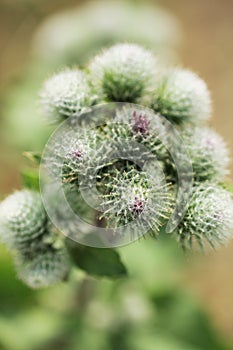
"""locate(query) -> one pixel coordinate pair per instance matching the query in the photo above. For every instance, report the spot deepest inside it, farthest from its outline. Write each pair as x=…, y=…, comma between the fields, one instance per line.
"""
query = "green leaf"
x=30, y=179
x=33, y=157
x=104, y=262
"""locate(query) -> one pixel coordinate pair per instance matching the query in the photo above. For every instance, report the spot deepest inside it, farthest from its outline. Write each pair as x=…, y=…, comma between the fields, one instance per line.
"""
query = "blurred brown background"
x=207, y=49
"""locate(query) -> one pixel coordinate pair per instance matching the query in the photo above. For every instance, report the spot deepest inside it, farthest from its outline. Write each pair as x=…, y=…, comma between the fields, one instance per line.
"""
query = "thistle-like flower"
x=208, y=219
x=181, y=96
x=133, y=195
x=66, y=94
x=22, y=218
x=208, y=153
x=141, y=126
x=83, y=155
x=123, y=73
x=45, y=269
x=41, y=257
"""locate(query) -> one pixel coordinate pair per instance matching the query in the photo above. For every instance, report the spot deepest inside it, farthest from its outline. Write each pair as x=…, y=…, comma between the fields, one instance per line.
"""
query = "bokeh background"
x=152, y=309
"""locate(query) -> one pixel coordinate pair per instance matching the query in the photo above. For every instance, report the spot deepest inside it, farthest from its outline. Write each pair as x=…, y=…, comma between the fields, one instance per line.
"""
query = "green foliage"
x=97, y=262
x=33, y=157
x=145, y=310
x=30, y=179
x=185, y=321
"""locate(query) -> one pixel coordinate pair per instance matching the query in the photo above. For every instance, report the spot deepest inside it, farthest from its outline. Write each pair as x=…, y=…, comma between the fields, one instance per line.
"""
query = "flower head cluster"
x=125, y=158
x=129, y=73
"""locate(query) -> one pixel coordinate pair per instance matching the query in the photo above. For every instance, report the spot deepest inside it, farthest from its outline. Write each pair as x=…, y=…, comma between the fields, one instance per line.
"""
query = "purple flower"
x=140, y=124
x=77, y=155
x=137, y=206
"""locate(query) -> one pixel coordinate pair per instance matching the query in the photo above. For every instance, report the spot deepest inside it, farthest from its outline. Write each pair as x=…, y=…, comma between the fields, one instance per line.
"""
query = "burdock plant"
x=112, y=157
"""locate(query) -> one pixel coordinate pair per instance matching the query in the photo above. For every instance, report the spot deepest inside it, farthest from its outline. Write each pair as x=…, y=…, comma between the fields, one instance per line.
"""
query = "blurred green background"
x=169, y=301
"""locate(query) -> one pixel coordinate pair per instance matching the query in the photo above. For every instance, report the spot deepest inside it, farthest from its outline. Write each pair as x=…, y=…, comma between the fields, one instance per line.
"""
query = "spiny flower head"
x=181, y=96
x=40, y=255
x=73, y=161
x=75, y=154
x=30, y=248
x=66, y=94
x=123, y=73
x=85, y=154
x=133, y=195
x=208, y=153
x=208, y=219
x=22, y=218
x=144, y=127
x=45, y=269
